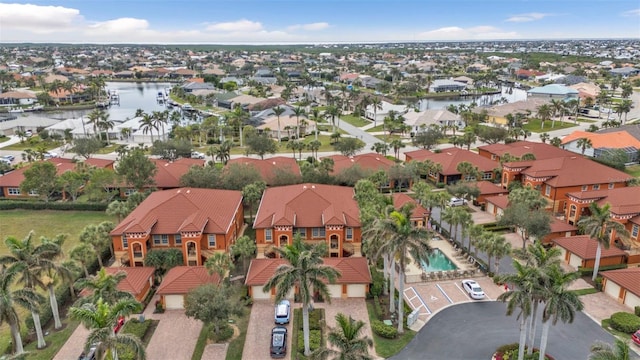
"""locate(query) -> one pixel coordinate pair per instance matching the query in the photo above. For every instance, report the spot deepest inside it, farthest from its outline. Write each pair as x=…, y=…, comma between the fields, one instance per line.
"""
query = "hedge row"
x=383, y=330
x=625, y=322
x=589, y=271
x=52, y=205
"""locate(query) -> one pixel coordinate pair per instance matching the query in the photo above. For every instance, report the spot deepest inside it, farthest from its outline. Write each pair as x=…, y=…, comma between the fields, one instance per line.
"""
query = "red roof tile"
x=182, y=279
x=353, y=270
x=585, y=247
x=558, y=226
x=519, y=148
x=627, y=278
x=400, y=199
x=500, y=201
x=15, y=178
x=307, y=205
x=449, y=158
x=268, y=167
x=137, y=278
x=489, y=188
x=371, y=162
x=612, y=140
x=170, y=172
x=176, y=210
x=572, y=171
x=623, y=201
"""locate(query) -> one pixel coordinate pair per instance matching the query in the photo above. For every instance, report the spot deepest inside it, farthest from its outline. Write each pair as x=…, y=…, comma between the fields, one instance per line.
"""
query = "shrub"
x=225, y=333
x=383, y=330
x=636, y=310
x=377, y=282
x=508, y=347
x=376, y=307
x=315, y=338
x=625, y=322
x=51, y=205
x=589, y=271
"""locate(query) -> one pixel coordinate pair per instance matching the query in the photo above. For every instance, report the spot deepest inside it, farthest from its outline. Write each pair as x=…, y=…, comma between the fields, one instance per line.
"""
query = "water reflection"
x=512, y=95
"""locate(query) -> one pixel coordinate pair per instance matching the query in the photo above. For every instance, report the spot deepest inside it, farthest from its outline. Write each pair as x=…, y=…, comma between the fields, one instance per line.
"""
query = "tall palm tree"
x=376, y=103
x=278, y=110
x=103, y=286
x=603, y=351
x=223, y=152
x=544, y=112
x=316, y=117
x=26, y=297
x=560, y=303
x=601, y=227
x=584, y=144
x=83, y=254
x=31, y=258
x=298, y=112
x=405, y=240
x=239, y=117
x=332, y=112
x=93, y=118
x=220, y=263
x=147, y=125
x=100, y=319
x=52, y=271
x=377, y=234
x=104, y=123
x=346, y=340
x=305, y=272
x=459, y=216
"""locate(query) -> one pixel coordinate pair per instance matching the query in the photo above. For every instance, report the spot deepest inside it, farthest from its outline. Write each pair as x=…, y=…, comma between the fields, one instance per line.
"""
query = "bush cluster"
x=636, y=310
x=225, y=333
x=376, y=307
x=52, y=205
x=136, y=328
x=589, y=271
x=625, y=322
x=383, y=330
x=315, y=338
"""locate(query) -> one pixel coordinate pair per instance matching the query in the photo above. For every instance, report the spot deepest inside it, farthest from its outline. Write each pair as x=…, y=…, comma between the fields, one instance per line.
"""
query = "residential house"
x=179, y=280
x=138, y=282
x=420, y=120
x=557, y=229
x=556, y=177
x=497, y=114
x=625, y=71
x=369, y=162
x=579, y=251
x=586, y=90
x=632, y=129
x=318, y=213
x=602, y=143
x=524, y=74
x=444, y=85
x=199, y=222
x=17, y=98
x=379, y=114
x=419, y=215
x=31, y=123
x=10, y=182
x=623, y=285
x=554, y=91
x=353, y=281
x=168, y=174
x=270, y=168
x=449, y=159
x=517, y=149
x=487, y=189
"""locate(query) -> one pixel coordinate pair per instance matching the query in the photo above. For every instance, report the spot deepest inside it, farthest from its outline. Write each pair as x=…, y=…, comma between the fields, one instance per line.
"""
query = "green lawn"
x=282, y=149
x=389, y=347
x=355, y=120
x=379, y=128
x=55, y=340
x=586, y=120
x=534, y=125
x=633, y=170
x=3, y=139
x=33, y=143
x=236, y=346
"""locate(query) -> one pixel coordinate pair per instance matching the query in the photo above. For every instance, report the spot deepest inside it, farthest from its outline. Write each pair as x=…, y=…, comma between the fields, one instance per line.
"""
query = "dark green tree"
x=86, y=147
x=40, y=178
x=348, y=146
x=136, y=169
x=261, y=145
x=212, y=304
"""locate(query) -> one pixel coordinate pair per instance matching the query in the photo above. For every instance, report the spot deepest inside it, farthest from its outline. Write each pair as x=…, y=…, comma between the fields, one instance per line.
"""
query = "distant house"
x=449, y=159
x=601, y=143
x=379, y=114
x=371, y=162
x=179, y=280
x=419, y=215
x=192, y=86
x=168, y=174
x=199, y=222
x=554, y=91
x=623, y=285
x=138, y=282
x=625, y=71
x=17, y=98
x=423, y=119
x=580, y=252
x=519, y=148
x=353, y=281
x=270, y=168
x=444, y=85
x=497, y=114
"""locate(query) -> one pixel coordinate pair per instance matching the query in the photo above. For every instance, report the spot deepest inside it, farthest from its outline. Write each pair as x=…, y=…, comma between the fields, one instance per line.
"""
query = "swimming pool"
x=438, y=261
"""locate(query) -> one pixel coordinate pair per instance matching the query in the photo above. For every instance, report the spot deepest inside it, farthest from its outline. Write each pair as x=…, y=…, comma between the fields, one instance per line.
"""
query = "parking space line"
x=459, y=288
x=422, y=304
x=444, y=293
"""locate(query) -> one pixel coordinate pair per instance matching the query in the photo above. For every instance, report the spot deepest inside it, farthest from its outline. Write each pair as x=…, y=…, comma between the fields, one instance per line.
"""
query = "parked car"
x=455, y=201
x=5, y=161
x=10, y=158
x=278, y=342
x=283, y=312
x=119, y=324
x=636, y=337
x=50, y=154
x=473, y=289
x=91, y=355
x=197, y=155
x=28, y=133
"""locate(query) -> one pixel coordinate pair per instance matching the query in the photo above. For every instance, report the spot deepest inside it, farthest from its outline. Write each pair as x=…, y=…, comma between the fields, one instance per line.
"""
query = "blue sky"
x=313, y=21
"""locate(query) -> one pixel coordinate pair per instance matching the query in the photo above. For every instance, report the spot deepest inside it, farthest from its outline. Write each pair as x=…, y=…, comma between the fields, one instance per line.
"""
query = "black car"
x=279, y=342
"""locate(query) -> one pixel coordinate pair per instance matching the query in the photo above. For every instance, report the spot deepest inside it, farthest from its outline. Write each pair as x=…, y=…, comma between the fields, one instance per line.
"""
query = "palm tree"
x=223, y=152
x=83, y=254
x=278, y=110
x=601, y=228
x=297, y=112
x=147, y=125
x=238, y=117
x=315, y=116
x=405, y=239
x=219, y=263
x=104, y=123
x=93, y=118
x=26, y=297
x=305, y=272
x=332, y=112
x=544, y=112
x=52, y=271
x=396, y=144
x=584, y=144
x=100, y=319
x=376, y=103
x=347, y=340
x=603, y=351
x=103, y=286
x=561, y=304
x=458, y=216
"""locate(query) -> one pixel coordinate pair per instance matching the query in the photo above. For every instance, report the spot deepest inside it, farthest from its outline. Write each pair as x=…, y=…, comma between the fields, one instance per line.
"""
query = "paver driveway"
x=256, y=345
x=175, y=337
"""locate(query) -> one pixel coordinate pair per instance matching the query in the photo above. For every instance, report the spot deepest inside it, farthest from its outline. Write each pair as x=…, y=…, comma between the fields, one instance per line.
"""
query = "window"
x=14, y=191
x=178, y=239
x=156, y=239
x=611, y=185
x=584, y=188
x=487, y=176
x=212, y=240
x=318, y=232
x=301, y=231
x=572, y=211
x=125, y=242
x=349, y=234
x=165, y=239
x=33, y=193
x=128, y=192
x=547, y=190
x=634, y=231
x=493, y=156
x=268, y=235
x=596, y=187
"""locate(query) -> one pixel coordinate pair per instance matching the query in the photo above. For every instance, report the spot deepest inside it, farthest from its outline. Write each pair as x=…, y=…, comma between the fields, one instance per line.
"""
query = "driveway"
x=356, y=308
x=257, y=343
x=74, y=345
x=474, y=331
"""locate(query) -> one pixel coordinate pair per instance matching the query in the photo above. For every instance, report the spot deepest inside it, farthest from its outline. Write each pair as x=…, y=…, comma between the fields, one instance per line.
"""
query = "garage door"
x=356, y=291
x=335, y=291
x=575, y=261
x=612, y=289
x=257, y=293
x=490, y=208
x=632, y=300
x=173, y=302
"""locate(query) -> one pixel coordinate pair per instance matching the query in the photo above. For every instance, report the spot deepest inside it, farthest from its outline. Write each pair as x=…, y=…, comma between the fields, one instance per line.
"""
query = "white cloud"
x=38, y=19
x=472, y=33
x=634, y=12
x=527, y=17
x=309, y=27
x=233, y=26
x=118, y=26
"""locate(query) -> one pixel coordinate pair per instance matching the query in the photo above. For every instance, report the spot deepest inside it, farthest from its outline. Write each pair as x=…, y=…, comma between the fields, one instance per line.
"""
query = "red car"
x=119, y=324
x=636, y=337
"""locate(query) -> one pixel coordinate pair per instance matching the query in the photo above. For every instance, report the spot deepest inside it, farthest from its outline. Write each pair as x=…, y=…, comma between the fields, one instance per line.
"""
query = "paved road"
x=474, y=330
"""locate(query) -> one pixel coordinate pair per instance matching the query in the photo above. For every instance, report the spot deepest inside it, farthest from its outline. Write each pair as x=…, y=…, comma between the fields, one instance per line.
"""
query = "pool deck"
x=414, y=272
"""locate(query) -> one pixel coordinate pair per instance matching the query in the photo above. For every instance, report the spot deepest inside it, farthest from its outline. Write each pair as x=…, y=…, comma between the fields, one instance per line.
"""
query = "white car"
x=473, y=289
x=50, y=154
x=455, y=201
x=197, y=155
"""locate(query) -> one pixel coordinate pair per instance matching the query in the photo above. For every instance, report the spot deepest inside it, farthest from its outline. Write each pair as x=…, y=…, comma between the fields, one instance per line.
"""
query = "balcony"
x=137, y=255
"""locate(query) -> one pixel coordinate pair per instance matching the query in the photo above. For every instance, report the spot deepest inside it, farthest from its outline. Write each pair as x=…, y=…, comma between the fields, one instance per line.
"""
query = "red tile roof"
x=612, y=140
x=627, y=278
x=623, y=201
x=15, y=178
x=400, y=199
x=170, y=172
x=268, y=167
x=370, y=161
x=449, y=158
x=585, y=247
x=353, y=270
x=182, y=279
x=172, y=211
x=572, y=171
x=558, y=226
x=307, y=205
x=500, y=201
x=137, y=278
x=489, y=188
x=519, y=148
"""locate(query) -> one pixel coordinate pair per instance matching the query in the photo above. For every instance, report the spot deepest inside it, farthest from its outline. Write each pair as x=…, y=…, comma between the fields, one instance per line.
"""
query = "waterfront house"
x=554, y=91
x=601, y=143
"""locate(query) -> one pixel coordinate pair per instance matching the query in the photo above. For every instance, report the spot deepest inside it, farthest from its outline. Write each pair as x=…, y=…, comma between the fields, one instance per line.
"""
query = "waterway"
x=510, y=94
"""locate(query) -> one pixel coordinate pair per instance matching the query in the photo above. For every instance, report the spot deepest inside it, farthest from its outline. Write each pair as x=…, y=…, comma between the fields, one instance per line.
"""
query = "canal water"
x=510, y=94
